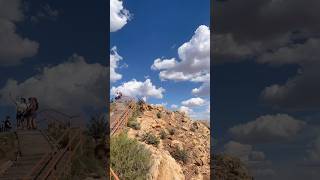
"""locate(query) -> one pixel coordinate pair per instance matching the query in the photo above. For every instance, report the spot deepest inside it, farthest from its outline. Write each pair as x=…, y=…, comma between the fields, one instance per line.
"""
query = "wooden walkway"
x=43, y=157
x=33, y=146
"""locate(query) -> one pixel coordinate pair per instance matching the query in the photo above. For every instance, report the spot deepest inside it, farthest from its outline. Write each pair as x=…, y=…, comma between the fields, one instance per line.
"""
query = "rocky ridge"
x=183, y=150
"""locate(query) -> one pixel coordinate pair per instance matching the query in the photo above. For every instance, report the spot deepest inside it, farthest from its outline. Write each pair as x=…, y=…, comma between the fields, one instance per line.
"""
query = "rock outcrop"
x=177, y=133
x=228, y=167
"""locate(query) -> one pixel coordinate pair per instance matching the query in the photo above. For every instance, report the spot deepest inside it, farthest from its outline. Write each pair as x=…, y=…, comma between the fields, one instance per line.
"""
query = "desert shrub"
x=134, y=124
x=180, y=154
x=97, y=127
x=172, y=131
x=163, y=134
x=149, y=138
x=159, y=115
x=193, y=129
x=128, y=158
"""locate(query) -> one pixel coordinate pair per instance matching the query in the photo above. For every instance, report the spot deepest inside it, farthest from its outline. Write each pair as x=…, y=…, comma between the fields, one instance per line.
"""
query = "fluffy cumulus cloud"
x=227, y=49
x=160, y=64
x=13, y=47
x=119, y=16
x=70, y=86
x=243, y=151
x=255, y=160
x=194, y=102
x=294, y=41
x=194, y=63
x=268, y=128
x=203, y=90
x=255, y=20
x=114, y=64
x=302, y=91
x=186, y=110
x=252, y=31
x=136, y=88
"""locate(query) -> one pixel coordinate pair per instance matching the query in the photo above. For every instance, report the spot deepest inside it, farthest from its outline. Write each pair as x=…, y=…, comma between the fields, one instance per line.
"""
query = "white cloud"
x=243, y=151
x=159, y=64
x=174, y=106
x=268, y=128
x=13, y=47
x=114, y=60
x=255, y=160
x=194, y=102
x=194, y=64
x=293, y=54
x=186, y=110
x=203, y=90
x=136, y=88
x=161, y=105
x=227, y=49
x=119, y=16
x=70, y=86
x=301, y=91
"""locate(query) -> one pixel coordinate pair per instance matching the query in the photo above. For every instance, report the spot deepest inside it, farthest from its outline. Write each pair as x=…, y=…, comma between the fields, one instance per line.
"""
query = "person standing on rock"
x=21, y=106
x=31, y=112
x=118, y=95
x=7, y=124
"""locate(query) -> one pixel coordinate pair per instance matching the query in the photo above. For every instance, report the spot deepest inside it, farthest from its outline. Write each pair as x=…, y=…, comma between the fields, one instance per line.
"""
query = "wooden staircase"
x=33, y=146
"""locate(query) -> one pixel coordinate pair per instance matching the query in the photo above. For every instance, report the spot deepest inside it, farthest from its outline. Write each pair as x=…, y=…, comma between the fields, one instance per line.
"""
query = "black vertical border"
x=107, y=96
x=211, y=90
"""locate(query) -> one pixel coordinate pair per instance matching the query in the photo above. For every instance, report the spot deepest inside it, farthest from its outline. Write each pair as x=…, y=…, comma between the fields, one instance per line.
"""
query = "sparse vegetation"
x=87, y=163
x=193, y=129
x=150, y=138
x=163, y=134
x=97, y=128
x=112, y=106
x=134, y=124
x=159, y=115
x=8, y=147
x=180, y=154
x=128, y=158
x=172, y=131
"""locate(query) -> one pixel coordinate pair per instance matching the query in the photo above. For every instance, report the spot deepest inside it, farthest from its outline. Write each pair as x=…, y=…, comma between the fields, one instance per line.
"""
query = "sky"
x=56, y=51
x=266, y=86
x=160, y=51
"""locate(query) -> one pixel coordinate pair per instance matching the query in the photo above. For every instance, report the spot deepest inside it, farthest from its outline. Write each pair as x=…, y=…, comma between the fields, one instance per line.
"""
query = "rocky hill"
x=229, y=168
x=179, y=146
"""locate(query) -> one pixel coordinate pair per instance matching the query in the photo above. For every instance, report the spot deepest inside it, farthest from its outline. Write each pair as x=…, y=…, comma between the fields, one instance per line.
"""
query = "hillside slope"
x=180, y=147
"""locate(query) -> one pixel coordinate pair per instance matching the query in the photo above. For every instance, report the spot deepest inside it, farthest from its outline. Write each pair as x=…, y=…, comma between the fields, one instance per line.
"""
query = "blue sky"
x=157, y=29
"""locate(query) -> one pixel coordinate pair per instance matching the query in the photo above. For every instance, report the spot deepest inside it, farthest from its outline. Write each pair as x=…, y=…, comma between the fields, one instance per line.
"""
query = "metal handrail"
x=119, y=122
x=38, y=168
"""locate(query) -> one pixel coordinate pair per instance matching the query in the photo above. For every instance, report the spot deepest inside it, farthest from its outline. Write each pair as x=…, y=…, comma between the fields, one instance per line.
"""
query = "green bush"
x=180, y=154
x=172, y=131
x=134, y=124
x=163, y=134
x=150, y=139
x=86, y=163
x=159, y=115
x=128, y=158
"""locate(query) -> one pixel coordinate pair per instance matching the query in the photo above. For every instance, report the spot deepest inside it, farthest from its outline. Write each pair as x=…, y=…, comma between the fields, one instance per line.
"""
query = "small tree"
x=97, y=128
